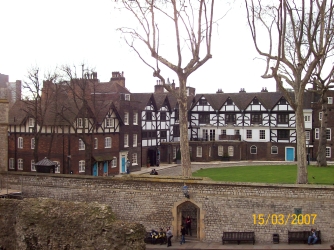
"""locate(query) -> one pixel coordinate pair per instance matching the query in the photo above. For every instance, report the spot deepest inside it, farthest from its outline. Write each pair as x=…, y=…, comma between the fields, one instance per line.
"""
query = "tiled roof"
x=45, y=162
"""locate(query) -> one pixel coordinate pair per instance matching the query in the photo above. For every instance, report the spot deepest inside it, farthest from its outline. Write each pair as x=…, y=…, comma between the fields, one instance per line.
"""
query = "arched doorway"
x=184, y=208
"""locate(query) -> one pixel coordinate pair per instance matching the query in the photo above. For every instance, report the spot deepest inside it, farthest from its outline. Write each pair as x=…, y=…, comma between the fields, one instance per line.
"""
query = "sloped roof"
x=45, y=162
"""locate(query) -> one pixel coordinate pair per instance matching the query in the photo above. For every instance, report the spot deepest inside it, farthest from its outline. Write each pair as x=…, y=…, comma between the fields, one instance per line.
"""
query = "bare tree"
x=189, y=23
x=37, y=108
x=298, y=38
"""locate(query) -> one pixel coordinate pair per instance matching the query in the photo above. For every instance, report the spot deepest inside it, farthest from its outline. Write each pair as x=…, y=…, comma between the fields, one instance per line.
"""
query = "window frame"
x=107, y=142
x=134, y=140
x=273, y=151
x=135, y=118
x=329, y=100
x=31, y=122
x=82, y=166
x=32, y=143
x=283, y=118
x=57, y=167
x=126, y=140
x=126, y=118
x=32, y=166
x=20, y=142
x=316, y=133
x=253, y=150
x=114, y=162
x=96, y=143
x=163, y=116
x=230, y=118
x=11, y=163
x=280, y=133
x=256, y=118
x=230, y=151
x=134, y=159
x=220, y=150
x=249, y=134
x=82, y=145
x=328, y=152
x=328, y=134
x=20, y=164
x=199, y=151
x=320, y=116
x=109, y=122
x=262, y=134
x=204, y=118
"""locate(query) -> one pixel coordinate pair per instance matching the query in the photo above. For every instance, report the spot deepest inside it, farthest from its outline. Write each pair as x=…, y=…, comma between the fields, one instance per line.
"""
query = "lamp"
x=185, y=191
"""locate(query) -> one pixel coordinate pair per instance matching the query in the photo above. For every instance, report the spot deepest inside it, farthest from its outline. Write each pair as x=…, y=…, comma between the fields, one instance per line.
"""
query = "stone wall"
x=157, y=201
x=50, y=224
x=3, y=135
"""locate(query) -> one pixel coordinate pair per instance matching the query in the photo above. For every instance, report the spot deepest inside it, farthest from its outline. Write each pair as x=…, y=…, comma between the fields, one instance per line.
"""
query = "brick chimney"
x=159, y=88
x=118, y=77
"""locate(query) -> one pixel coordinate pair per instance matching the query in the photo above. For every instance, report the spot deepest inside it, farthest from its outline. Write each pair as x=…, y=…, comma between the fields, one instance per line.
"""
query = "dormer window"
x=127, y=97
x=255, y=101
x=31, y=122
x=282, y=101
x=229, y=101
x=203, y=102
x=109, y=122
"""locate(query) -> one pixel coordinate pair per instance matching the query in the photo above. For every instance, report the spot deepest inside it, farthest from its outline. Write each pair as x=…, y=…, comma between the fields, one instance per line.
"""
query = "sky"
x=51, y=33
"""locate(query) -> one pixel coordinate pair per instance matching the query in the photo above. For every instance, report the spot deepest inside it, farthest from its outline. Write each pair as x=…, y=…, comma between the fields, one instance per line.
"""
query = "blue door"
x=289, y=154
x=95, y=169
x=123, y=164
x=105, y=168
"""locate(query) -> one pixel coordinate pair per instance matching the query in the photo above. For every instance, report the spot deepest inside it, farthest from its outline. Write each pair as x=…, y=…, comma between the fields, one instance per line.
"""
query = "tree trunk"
x=321, y=158
x=301, y=144
x=184, y=143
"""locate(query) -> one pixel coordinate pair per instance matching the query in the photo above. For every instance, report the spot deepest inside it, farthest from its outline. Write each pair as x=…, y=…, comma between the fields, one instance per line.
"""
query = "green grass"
x=286, y=174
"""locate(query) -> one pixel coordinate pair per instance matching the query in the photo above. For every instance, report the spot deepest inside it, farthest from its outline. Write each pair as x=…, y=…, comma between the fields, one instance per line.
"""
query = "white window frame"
x=81, y=145
x=320, y=116
x=262, y=134
x=82, y=166
x=230, y=151
x=272, y=150
x=114, y=162
x=220, y=150
x=134, y=159
x=316, y=133
x=107, y=142
x=109, y=122
x=307, y=135
x=126, y=140
x=330, y=100
x=79, y=123
x=31, y=122
x=135, y=140
x=253, y=150
x=11, y=163
x=96, y=143
x=32, y=142
x=20, y=164
x=127, y=97
x=249, y=134
x=328, y=152
x=57, y=167
x=32, y=164
x=174, y=152
x=135, y=118
x=328, y=134
x=20, y=142
x=199, y=151
x=126, y=118
x=307, y=118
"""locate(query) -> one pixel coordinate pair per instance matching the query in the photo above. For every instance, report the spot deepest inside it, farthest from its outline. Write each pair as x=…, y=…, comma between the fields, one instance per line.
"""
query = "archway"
x=184, y=208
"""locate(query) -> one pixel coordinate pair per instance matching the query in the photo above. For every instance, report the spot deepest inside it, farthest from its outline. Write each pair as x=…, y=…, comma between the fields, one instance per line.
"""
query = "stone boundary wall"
x=151, y=200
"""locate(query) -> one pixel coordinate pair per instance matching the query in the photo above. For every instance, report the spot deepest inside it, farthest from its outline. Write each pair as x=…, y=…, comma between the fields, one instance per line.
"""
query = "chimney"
x=242, y=90
x=159, y=88
x=117, y=77
x=264, y=89
x=173, y=84
x=220, y=91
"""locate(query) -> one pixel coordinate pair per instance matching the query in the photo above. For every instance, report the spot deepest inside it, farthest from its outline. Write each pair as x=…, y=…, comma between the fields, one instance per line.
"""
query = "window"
x=223, y=132
x=249, y=134
x=114, y=162
x=256, y=101
x=316, y=133
x=31, y=122
x=109, y=122
x=135, y=118
x=134, y=158
x=127, y=97
x=20, y=142
x=176, y=130
x=32, y=143
x=320, y=115
x=107, y=142
x=162, y=116
x=307, y=135
x=328, y=134
x=204, y=118
x=237, y=132
x=81, y=166
x=126, y=140
x=283, y=134
x=330, y=100
x=174, y=152
x=256, y=118
x=205, y=134
x=307, y=118
x=209, y=151
x=199, y=151
x=134, y=138
x=20, y=164
x=96, y=143
x=282, y=101
x=283, y=118
x=253, y=149
x=81, y=145
x=148, y=116
x=262, y=134
x=220, y=150
x=230, y=150
x=163, y=134
x=212, y=134
x=229, y=118
x=328, y=152
x=11, y=163
x=33, y=168
x=79, y=123
x=126, y=118
x=57, y=168
x=229, y=101
x=202, y=102
x=274, y=150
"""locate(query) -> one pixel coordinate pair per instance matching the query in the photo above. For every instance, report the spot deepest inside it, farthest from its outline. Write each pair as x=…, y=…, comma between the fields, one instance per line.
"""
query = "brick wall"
x=3, y=135
x=157, y=201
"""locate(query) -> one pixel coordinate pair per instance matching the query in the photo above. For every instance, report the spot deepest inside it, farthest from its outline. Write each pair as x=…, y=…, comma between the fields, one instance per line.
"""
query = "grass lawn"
x=268, y=174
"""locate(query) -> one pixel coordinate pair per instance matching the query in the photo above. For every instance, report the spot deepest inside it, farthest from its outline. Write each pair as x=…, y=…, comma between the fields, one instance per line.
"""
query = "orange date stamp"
x=281, y=219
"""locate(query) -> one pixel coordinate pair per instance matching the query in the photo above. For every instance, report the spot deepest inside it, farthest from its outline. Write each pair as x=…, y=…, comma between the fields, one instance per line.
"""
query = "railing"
x=229, y=137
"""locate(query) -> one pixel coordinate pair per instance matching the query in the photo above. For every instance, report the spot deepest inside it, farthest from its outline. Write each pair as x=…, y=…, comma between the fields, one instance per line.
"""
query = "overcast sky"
x=51, y=33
